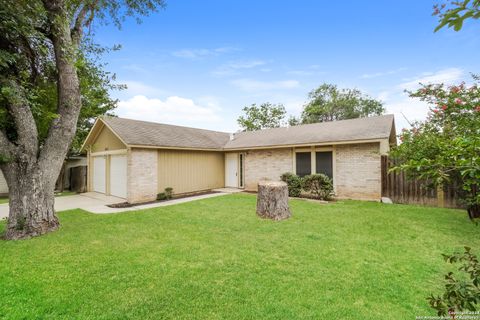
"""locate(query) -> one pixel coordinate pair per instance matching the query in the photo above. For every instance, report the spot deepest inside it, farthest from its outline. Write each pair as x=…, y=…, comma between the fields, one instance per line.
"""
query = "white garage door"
x=99, y=174
x=118, y=176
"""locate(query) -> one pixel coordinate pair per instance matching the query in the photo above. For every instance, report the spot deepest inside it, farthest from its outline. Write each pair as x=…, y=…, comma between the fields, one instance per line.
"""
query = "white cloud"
x=212, y=102
x=381, y=74
x=300, y=72
x=383, y=96
x=407, y=110
x=313, y=69
x=174, y=110
x=135, y=68
x=294, y=107
x=246, y=64
x=139, y=88
x=446, y=76
x=256, y=85
x=202, y=53
x=234, y=67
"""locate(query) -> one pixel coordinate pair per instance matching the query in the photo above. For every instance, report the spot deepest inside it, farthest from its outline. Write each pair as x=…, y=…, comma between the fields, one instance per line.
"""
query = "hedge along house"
x=136, y=160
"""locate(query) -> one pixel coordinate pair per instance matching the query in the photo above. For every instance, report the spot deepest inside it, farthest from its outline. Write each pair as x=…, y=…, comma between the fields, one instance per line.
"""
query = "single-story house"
x=136, y=160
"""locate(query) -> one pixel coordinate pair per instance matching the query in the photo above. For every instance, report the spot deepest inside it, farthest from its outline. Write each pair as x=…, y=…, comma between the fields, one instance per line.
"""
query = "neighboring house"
x=70, y=162
x=136, y=160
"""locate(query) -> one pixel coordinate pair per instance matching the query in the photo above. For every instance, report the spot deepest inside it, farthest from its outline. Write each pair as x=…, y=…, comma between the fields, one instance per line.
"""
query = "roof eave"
x=279, y=146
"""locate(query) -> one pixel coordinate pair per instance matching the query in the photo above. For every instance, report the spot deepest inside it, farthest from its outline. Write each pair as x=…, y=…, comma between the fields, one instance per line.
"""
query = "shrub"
x=462, y=292
x=161, y=196
x=294, y=183
x=168, y=192
x=319, y=185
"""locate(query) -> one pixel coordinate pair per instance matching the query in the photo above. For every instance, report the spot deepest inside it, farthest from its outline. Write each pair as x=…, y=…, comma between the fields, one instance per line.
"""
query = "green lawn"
x=60, y=194
x=214, y=259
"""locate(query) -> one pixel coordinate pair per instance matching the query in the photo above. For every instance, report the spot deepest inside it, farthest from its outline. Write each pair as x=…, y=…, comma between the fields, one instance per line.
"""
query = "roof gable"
x=150, y=134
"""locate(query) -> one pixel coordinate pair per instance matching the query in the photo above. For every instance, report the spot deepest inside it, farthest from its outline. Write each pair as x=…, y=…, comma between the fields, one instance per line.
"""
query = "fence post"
x=440, y=197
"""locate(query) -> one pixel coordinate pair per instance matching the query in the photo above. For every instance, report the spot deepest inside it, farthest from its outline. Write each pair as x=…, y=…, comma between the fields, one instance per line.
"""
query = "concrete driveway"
x=90, y=201
x=97, y=203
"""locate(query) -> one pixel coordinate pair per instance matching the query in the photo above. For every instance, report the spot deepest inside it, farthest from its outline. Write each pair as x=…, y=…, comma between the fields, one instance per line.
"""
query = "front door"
x=231, y=170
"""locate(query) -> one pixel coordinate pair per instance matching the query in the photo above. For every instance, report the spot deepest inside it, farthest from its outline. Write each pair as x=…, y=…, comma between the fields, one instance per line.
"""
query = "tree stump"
x=272, y=200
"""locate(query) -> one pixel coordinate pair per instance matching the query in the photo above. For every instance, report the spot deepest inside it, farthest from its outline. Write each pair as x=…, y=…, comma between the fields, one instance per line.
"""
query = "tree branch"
x=80, y=22
x=77, y=29
x=25, y=125
x=63, y=128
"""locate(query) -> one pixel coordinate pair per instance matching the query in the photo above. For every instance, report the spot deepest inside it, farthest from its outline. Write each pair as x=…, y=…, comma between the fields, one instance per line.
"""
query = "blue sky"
x=197, y=63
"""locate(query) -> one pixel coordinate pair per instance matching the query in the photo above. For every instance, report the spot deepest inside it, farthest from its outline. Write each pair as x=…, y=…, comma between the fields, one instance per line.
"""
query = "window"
x=324, y=163
x=303, y=163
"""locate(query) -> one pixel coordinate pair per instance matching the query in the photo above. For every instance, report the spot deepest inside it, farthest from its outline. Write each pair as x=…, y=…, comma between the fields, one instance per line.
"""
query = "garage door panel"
x=99, y=174
x=118, y=176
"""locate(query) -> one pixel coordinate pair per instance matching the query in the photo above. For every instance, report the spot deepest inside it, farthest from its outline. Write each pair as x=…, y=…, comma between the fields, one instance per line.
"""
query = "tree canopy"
x=51, y=82
x=329, y=103
x=266, y=115
x=446, y=146
x=453, y=13
x=28, y=65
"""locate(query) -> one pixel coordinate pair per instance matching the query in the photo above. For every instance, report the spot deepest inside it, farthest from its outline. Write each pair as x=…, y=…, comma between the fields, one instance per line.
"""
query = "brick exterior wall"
x=266, y=165
x=142, y=175
x=358, y=171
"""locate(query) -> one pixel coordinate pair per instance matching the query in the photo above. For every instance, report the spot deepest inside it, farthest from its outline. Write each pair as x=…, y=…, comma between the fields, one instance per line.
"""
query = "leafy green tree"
x=95, y=87
x=294, y=121
x=328, y=103
x=266, y=115
x=454, y=13
x=446, y=147
x=48, y=77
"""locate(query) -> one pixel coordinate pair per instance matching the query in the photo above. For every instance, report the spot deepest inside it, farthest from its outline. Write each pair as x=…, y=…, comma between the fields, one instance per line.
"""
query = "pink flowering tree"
x=446, y=146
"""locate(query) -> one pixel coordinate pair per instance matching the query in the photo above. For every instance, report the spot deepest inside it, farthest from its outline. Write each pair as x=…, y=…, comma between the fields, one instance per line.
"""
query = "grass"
x=214, y=259
x=60, y=194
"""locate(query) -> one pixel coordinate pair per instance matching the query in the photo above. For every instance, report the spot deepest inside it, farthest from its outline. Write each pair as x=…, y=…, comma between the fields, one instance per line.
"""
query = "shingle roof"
x=134, y=132
x=378, y=127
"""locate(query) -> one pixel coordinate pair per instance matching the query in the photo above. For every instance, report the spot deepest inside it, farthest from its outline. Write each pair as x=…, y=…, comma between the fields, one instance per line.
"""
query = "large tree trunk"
x=31, y=198
x=33, y=170
x=272, y=200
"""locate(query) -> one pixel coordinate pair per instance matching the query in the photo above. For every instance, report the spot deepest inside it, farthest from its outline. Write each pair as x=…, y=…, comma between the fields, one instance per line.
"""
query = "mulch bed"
x=301, y=197
x=187, y=195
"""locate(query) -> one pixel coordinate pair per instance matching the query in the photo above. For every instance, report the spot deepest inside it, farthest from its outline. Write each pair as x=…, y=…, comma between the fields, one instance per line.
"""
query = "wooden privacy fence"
x=399, y=188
